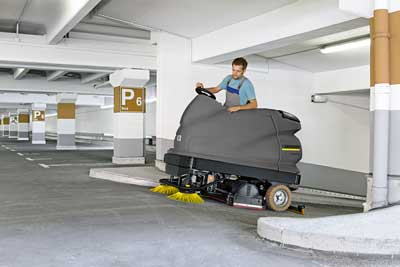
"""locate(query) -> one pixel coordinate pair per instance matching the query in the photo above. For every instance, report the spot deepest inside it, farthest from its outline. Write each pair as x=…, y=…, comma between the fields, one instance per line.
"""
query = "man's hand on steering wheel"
x=201, y=85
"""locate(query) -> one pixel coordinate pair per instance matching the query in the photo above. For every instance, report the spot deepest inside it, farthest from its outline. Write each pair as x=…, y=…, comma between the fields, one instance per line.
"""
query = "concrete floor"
x=58, y=216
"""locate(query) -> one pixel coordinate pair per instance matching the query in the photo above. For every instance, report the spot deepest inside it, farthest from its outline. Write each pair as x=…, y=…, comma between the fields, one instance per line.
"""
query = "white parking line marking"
x=20, y=154
x=12, y=150
x=80, y=164
x=43, y=165
x=31, y=159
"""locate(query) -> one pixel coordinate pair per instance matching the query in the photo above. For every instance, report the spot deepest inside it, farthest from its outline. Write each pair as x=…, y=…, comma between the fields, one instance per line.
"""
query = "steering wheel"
x=202, y=91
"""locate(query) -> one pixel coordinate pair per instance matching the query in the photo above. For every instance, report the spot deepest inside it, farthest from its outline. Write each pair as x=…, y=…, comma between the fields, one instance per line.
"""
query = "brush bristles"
x=189, y=198
x=165, y=189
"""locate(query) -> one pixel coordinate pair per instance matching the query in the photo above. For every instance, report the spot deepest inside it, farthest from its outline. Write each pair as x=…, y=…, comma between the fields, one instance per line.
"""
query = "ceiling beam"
x=103, y=56
x=53, y=67
x=73, y=13
x=41, y=85
x=103, y=85
x=19, y=73
x=93, y=77
x=55, y=75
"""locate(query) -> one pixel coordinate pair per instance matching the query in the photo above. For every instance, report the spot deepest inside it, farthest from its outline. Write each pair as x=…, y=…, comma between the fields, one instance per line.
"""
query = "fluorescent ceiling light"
x=345, y=46
x=51, y=115
x=107, y=106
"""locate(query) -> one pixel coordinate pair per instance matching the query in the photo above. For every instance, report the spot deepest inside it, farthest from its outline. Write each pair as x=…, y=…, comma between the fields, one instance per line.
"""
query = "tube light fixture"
x=345, y=46
x=106, y=106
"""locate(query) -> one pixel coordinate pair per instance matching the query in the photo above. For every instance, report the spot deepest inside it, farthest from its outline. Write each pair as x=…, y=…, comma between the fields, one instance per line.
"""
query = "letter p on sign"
x=127, y=94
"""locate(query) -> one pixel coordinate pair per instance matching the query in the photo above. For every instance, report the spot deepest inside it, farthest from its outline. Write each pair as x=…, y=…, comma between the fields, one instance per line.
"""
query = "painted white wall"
x=51, y=124
x=342, y=80
x=94, y=120
x=150, y=119
x=100, y=121
x=332, y=135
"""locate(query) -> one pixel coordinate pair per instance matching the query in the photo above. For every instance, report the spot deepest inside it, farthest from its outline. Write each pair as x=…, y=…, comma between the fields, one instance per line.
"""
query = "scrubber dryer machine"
x=246, y=158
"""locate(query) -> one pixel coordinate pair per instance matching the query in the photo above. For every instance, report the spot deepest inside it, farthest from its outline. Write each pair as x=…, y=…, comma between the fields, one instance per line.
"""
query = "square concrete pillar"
x=38, y=123
x=6, y=125
x=23, y=124
x=13, y=133
x=66, y=121
x=129, y=108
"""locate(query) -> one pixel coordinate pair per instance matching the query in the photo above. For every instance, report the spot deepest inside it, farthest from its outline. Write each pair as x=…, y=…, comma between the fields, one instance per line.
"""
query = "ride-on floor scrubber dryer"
x=246, y=158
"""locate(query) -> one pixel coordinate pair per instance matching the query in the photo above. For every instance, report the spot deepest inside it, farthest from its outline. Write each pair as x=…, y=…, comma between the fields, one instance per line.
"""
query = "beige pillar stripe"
x=23, y=118
x=394, y=21
x=66, y=110
x=117, y=99
x=372, y=52
x=382, y=46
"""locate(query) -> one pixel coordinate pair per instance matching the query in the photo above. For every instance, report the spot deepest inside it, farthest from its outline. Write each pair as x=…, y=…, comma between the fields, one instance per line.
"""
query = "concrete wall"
x=95, y=120
x=342, y=80
x=348, y=133
x=51, y=124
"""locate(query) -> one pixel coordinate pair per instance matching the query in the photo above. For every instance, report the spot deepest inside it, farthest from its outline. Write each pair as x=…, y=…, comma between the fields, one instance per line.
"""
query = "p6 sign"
x=37, y=115
x=129, y=99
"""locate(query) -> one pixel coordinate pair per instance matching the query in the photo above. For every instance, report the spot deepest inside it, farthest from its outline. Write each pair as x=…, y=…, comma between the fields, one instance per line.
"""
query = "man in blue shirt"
x=240, y=94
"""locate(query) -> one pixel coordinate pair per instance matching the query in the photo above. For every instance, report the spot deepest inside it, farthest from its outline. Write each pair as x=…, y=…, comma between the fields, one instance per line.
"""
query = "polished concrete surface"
x=58, y=216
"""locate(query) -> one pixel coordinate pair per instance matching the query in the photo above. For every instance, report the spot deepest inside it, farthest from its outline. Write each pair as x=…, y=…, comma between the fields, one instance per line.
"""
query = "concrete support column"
x=381, y=101
x=129, y=108
x=38, y=123
x=23, y=124
x=394, y=139
x=66, y=121
x=13, y=133
x=6, y=125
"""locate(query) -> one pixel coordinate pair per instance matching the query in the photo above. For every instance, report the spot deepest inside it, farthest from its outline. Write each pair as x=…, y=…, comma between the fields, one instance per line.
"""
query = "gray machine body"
x=259, y=138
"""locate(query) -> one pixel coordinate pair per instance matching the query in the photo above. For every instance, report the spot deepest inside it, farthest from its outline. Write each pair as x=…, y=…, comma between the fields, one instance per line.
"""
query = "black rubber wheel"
x=278, y=197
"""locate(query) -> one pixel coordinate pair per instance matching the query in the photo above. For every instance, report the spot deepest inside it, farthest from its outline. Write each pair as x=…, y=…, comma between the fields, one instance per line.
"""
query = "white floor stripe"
x=37, y=159
x=13, y=150
x=80, y=164
x=43, y=165
x=20, y=154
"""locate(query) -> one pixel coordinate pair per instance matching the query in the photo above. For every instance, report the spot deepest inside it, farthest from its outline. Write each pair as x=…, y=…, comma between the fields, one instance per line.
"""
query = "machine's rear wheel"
x=278, y=197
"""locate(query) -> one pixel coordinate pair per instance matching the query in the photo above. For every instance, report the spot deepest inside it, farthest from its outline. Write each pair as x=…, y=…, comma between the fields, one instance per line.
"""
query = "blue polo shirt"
x=246, y=91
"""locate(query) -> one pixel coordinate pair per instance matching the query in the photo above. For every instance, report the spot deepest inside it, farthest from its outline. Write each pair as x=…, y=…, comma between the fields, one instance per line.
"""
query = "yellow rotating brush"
x=165, y=189
x=187, y=197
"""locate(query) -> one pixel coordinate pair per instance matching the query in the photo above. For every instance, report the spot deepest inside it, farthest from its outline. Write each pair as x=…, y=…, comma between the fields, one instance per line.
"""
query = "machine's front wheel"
x=278, y=197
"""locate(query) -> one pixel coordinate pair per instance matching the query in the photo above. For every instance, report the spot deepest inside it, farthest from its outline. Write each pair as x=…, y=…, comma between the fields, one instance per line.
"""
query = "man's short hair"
x=240, y=62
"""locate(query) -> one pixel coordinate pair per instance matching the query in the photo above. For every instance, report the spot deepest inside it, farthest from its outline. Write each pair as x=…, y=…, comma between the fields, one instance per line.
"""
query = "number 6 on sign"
x=139, y=101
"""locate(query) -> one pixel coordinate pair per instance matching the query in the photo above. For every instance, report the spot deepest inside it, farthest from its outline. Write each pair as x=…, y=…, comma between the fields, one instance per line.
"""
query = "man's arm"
x=251, y=105
x=213, y=90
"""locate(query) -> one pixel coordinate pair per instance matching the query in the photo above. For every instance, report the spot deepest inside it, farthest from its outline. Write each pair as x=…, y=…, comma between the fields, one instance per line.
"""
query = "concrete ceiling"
x=307, y=55
x=189, y=18
x=34, y=18
x=315, y=61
